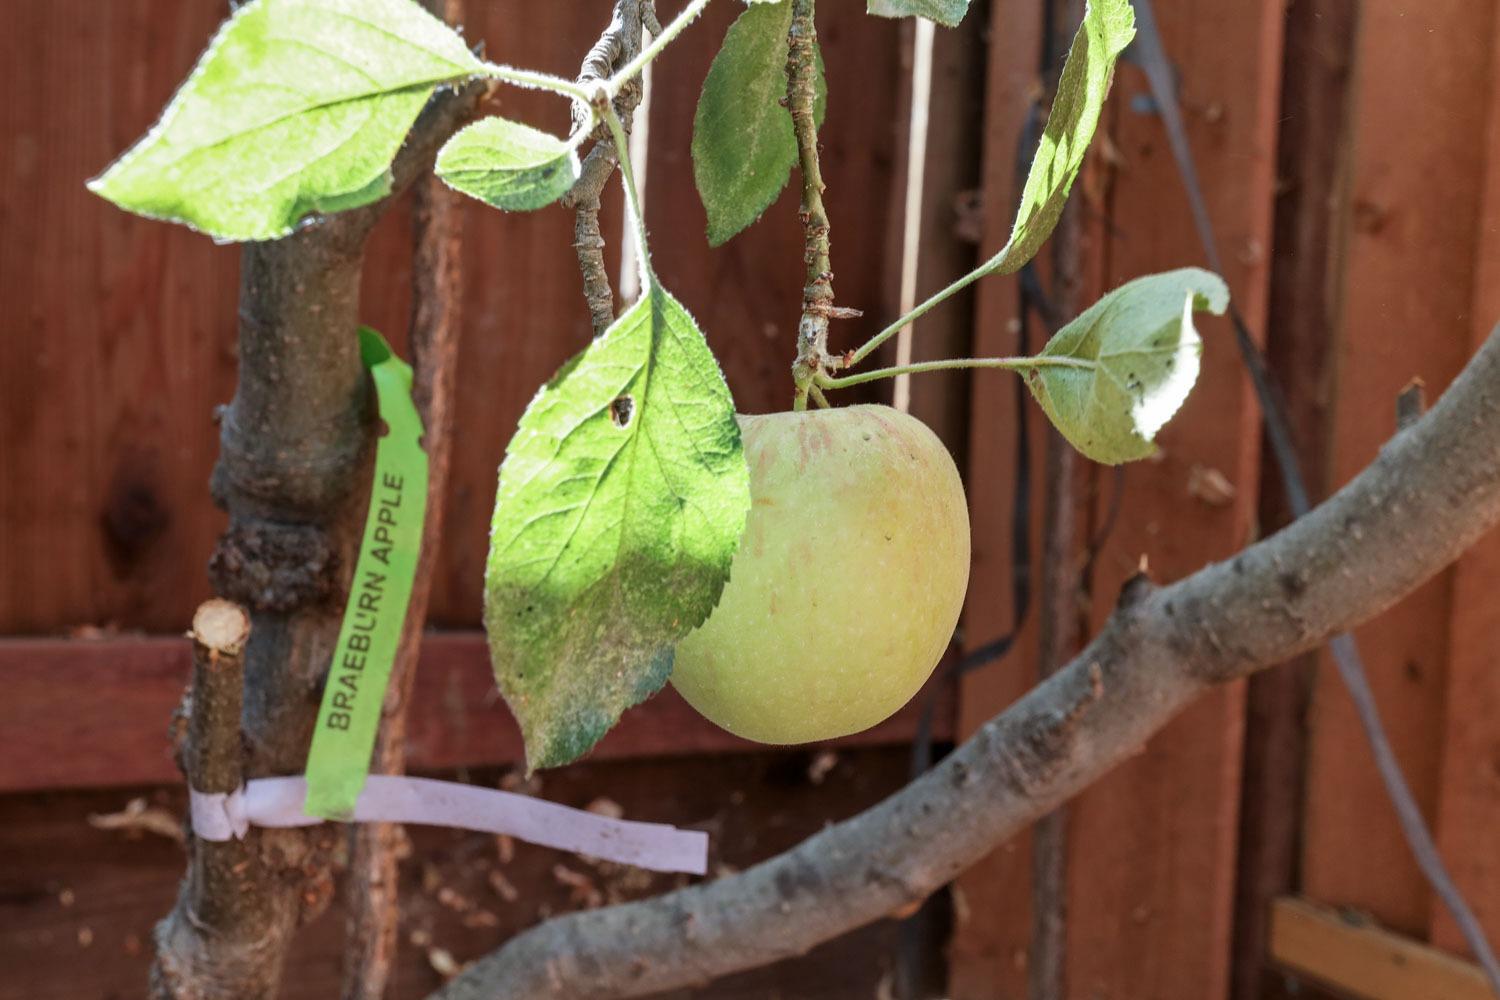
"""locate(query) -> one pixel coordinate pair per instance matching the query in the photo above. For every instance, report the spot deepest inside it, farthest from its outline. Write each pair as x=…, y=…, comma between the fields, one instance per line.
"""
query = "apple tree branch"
x=1431, y=493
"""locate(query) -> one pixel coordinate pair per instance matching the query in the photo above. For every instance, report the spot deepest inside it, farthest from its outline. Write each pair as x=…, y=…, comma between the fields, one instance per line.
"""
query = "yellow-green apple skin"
x=847, y=583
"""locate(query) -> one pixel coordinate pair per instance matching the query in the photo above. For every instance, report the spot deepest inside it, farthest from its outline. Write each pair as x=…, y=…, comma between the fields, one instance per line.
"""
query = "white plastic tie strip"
x=277, y=802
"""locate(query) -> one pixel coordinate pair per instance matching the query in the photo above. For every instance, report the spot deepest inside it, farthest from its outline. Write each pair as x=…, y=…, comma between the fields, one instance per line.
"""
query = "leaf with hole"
x=743, y=144
x=945, y=12
x=297, y=107
x=1108, y=26
x=622, y=499
x=508, y=165
x=1114, y=376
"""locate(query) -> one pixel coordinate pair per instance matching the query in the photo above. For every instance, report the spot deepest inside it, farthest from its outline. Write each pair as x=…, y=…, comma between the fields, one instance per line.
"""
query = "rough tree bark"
x=1432, y=492
x=617, y=45
x=292, y=443
x=817, y=289
x=214, y=890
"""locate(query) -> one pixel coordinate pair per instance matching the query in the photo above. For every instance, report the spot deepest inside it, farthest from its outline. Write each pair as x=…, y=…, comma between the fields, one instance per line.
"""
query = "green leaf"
x=297, y=106
x=1123, y=368
x=945, y=12
x=1108, y=26
x=743, y=144
x=508, y=165
x=622, y=499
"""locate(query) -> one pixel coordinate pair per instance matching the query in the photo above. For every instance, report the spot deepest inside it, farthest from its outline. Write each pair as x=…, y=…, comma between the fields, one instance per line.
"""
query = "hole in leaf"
x=621, y=410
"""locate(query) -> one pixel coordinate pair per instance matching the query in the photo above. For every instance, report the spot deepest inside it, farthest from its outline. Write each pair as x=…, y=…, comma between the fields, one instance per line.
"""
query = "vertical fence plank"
x=120, y=331
x=1151, y=853
x=1469, y=807
x=992, y=899
x=1303, y=312
x=1407, y=290
x=1151, y=849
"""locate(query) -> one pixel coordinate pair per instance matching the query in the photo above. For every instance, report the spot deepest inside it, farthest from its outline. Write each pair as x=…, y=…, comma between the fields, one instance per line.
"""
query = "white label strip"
x=277, y=802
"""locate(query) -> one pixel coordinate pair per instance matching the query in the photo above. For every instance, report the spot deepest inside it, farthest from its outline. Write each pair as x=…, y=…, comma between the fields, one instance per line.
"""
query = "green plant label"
x=379, y=592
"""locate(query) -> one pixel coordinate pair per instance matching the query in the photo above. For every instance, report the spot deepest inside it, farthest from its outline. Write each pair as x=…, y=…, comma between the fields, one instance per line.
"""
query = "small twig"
x=209, y=937
x=620, y=43
x=138, y=817
x=817, y=291
x=1411, y=402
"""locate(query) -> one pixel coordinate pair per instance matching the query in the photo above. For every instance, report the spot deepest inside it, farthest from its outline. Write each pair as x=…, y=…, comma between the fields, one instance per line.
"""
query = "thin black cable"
x=1150, y=55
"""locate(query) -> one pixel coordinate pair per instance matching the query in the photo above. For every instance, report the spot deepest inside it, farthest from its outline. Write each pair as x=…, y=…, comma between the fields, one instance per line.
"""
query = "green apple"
x=847, y=583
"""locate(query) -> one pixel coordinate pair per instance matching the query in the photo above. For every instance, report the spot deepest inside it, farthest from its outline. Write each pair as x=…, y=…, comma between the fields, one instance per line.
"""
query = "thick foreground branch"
x=291, y=445
x=1432, y=492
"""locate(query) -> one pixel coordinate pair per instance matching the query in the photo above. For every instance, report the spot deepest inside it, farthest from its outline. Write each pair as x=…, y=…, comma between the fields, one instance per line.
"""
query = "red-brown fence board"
x=993, y=919
x=78, y=903
x=119, y=332
x=1407, y=288
x=122, y=350
x=1469, y=802
x=94, y=713
x=122, y=342
x=1151, y=863
x=1315, y=99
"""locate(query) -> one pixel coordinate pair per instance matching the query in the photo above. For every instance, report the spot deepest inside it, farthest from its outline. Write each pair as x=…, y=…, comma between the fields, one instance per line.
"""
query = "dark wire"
x=1150, y=54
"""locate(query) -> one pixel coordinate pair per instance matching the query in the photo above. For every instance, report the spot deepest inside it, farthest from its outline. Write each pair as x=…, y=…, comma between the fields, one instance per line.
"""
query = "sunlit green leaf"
x=297, y=106
x=944, y=12
x=1108, y=27
x=622, y=499
x=1114, y=376
x=509, y=165
x=743, y=144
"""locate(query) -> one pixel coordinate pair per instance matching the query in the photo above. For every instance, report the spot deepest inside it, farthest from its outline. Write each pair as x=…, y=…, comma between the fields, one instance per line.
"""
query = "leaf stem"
x=605, y=109
x=532, y=80
x=1009, y=364
x=917, y=312
x=650, y=52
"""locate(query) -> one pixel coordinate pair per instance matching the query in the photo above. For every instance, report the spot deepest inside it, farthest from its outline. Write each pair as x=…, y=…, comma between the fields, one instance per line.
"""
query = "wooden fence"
x=1350, y=154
